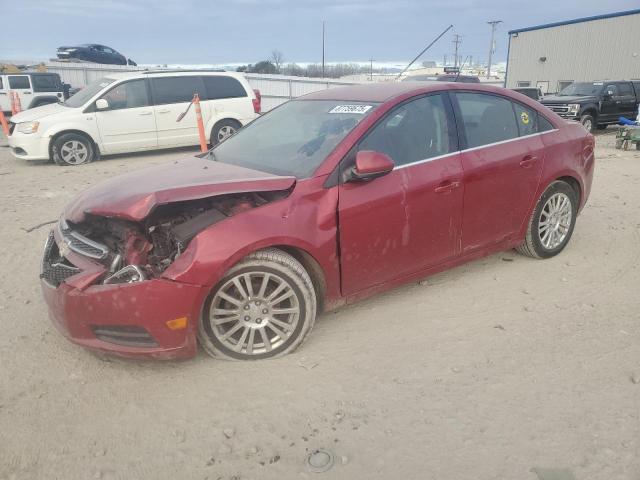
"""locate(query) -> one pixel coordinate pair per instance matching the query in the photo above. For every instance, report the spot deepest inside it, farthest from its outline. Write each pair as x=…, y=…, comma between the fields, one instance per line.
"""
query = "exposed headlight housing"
x=28, y=127
x=574, y=108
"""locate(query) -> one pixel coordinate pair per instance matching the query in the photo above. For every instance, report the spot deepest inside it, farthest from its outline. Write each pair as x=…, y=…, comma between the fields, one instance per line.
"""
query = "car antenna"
x=461, y=67
x=422, y=52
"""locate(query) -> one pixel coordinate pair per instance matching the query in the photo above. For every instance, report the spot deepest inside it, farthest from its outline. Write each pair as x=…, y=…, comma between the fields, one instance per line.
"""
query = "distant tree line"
x=276, y=65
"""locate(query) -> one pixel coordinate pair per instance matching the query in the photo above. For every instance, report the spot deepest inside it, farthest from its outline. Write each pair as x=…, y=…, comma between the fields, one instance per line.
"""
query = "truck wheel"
x=552, y=222
x=223, y=130
x=264, y=307
x=588, y=122
x=72, y=149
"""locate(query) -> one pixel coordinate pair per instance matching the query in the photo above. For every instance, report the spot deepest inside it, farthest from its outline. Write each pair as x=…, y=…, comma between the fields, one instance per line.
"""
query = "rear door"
x=410, y=218
x=226, y=97
x=626, y=101
x=128, y=124
x=502, y=161
x=21, y=84
x=171, y=97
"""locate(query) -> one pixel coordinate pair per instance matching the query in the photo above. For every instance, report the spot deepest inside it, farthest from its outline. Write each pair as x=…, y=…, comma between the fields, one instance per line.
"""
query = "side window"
x=414, y=131
x=625, y=89
x=544, y=125
x=128, y=95
x=19, y=81
x=168, y=90
x=523, y=84
x=486, y=118
x=45, y=83
x=527, y=119
x=223, y=87
x=1, y=85
x=613, y=89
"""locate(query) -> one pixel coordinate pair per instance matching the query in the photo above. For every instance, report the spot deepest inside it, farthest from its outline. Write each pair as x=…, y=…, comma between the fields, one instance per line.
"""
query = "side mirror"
x=102, y=104
x=370, y=165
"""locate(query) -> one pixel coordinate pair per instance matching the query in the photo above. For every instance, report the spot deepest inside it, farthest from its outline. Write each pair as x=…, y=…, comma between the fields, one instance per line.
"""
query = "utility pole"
x=457, y=40
x=494, y=24
x=445, y=60
x=371, y=70
x=323, y=49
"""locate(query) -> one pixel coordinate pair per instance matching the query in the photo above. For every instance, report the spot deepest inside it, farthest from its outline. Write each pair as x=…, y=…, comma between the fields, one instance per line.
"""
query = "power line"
x=494, y=24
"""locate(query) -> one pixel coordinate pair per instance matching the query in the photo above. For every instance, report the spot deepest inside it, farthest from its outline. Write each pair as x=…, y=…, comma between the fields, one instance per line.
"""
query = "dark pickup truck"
x=596, y=104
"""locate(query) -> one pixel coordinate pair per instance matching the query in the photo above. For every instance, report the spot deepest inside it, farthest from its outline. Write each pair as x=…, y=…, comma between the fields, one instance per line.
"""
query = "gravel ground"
x=493, y=370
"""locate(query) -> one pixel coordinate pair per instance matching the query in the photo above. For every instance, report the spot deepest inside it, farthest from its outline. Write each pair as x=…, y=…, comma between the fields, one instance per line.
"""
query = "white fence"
x=275, y=89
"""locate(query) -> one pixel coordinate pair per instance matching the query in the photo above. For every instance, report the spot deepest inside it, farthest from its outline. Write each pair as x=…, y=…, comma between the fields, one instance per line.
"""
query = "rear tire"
x=264, y=307
x=223, y=130
x=72, y=149
x=552, y=222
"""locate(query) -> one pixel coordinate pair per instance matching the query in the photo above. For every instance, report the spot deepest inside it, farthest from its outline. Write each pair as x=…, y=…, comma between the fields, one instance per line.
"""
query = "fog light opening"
x=128, y=274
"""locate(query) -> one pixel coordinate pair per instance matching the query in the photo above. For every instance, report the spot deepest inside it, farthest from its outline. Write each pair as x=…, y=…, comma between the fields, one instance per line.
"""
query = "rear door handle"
x=163, y=111
x=447, y=187
x=528, y=161
x=144, y=113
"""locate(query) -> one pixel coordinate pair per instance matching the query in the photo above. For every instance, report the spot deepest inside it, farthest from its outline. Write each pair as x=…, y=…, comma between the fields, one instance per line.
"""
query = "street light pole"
x=494, y=24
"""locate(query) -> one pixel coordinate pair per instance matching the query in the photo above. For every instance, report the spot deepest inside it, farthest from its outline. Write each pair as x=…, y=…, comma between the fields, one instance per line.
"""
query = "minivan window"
x=414, y=131
x=168, y=90
x=46, y=83
x=19, y=81
x=131, y=94
x=486, y=118
x=218, y=87
x=84, y=95
x=1, y=86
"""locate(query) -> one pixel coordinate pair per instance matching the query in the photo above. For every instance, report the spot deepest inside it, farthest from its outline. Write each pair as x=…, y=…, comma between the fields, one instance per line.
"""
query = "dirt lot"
x=487, y=371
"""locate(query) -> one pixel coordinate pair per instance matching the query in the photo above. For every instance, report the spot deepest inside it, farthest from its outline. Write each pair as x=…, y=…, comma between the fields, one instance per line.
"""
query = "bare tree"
x=277, y=58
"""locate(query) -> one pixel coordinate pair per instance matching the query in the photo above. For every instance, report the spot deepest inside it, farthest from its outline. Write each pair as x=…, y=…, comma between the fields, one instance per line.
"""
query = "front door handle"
x=163, y=111
x=144, y=113
x=447, y=187
x=528, y=161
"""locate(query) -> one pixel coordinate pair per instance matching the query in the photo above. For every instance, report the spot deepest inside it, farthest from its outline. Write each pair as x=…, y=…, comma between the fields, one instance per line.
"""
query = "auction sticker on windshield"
x=360, y=109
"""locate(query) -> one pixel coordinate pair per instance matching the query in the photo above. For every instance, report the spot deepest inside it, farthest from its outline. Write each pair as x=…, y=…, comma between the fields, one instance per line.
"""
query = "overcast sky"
x=233, y=31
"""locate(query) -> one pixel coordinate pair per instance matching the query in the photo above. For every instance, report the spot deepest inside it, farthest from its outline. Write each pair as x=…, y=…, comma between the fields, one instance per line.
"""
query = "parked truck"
x=596, y=104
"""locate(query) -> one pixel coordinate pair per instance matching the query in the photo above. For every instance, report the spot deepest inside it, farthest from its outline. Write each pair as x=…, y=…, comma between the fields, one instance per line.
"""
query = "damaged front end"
x=136, y=251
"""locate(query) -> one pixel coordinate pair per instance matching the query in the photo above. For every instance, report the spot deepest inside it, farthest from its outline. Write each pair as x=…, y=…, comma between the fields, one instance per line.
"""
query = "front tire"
x=552, y=222
x=72, y=149
x=264, y=307
x=588, y=122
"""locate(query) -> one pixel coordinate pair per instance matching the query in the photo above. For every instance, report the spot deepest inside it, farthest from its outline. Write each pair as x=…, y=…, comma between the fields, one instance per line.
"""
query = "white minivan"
x=134, y=111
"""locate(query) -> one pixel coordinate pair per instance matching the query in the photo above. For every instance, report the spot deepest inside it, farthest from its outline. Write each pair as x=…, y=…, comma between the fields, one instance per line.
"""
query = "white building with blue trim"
x=552, y=56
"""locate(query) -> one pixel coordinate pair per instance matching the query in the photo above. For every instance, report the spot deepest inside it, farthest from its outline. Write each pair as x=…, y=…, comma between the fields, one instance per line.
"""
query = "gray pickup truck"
x=596, y=104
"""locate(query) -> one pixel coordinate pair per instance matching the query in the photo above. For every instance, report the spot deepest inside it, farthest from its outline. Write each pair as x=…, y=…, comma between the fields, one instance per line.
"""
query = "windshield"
x=581, y=89
x=293, y=139
x=84, y=95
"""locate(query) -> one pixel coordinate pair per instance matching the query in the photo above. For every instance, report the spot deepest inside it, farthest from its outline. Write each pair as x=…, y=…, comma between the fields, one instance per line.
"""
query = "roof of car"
x=381, y=92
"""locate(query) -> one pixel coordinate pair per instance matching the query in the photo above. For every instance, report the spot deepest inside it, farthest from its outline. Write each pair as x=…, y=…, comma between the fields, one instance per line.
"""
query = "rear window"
x=46, y=83
x=176, y=89
x=19, y=81
x=218, y=87
x=487, y=118
x=625, y=89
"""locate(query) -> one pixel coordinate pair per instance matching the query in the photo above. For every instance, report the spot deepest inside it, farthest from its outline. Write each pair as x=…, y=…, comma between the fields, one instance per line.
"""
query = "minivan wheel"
x=223, y=130
x=264, y=307
x=587, y=122
x=552, y=222
x=72, y=149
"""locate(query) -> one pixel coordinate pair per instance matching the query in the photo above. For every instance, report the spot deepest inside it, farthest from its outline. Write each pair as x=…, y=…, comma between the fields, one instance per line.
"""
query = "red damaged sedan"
x=324, y=200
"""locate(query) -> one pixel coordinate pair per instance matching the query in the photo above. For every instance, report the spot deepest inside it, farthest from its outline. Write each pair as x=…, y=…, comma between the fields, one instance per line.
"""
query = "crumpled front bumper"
x=128, y=319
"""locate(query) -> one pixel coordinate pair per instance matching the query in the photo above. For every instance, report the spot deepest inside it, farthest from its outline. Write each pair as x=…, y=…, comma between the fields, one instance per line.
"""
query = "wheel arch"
x=216, y=120
x=313, y=268
x=574, y=184
x=57, y=135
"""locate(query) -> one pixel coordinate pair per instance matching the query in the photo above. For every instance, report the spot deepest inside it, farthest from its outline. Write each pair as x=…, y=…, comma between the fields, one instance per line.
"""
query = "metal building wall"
x=603, y=49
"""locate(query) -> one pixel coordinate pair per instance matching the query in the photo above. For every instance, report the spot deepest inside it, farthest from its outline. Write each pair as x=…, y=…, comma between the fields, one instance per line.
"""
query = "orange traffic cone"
x=18, y=103
x=5, y=125
x=203, y=139
x=12, y=97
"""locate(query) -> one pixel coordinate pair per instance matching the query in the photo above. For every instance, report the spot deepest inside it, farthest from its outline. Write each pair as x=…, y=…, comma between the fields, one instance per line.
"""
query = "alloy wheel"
x=254, y=313
x=225, y=132
x=74, y=152
x=555, y=221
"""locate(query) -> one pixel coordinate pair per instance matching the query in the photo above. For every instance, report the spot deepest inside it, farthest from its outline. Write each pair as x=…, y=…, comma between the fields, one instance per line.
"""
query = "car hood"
x=133, y=196
x=567, y=99
x=39, y=112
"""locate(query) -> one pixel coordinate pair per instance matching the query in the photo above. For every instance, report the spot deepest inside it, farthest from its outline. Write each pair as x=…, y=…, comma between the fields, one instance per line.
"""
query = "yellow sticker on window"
x=524, y=116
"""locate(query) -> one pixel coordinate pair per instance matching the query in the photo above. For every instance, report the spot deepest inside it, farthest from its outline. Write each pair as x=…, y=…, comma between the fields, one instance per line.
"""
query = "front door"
x=610, y=105
x=502, y=162
x=409, y=219
x=129, y=123
x=21, y=84
x=171, y=97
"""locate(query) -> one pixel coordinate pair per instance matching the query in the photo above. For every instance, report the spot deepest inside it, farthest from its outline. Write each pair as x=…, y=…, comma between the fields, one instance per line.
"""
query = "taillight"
x=257, y=102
